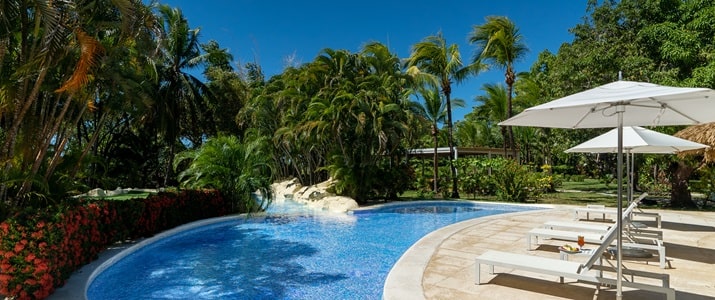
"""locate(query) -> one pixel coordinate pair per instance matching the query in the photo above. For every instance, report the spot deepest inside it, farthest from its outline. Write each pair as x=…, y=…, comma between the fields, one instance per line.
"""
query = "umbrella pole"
x=629, y=173
x=619, y=224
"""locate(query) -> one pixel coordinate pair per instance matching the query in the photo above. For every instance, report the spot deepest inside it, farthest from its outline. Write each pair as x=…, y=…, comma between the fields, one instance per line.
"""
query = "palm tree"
x=434, y=110
x=434, y=62
x=236, y=168
x=180, y=94
x=500, y=43
x=493, y=106
x=474, y=132
x=50, y=53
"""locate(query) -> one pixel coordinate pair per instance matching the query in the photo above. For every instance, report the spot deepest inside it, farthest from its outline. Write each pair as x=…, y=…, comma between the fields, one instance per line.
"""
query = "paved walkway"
x=441, y=265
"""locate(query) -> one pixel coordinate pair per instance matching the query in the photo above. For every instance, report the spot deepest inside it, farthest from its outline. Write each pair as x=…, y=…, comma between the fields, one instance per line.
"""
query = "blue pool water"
x=283, y=255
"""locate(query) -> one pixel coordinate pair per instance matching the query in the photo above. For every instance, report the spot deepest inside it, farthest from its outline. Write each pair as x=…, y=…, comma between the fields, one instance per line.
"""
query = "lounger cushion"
x=529, y=263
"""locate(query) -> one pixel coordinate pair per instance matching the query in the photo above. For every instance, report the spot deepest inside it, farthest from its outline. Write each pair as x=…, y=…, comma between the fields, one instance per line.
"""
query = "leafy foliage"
x=515, y=183
x=238, y=169
x=706, y=182
x=504, y=178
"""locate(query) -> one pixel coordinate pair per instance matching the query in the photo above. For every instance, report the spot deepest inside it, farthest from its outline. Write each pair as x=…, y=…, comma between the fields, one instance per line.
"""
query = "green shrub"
x=475, y=175
x=511, y=182
x=238, y=168
x=516, y=183
x=562, y=169
x=425, y=194
x=706, y=184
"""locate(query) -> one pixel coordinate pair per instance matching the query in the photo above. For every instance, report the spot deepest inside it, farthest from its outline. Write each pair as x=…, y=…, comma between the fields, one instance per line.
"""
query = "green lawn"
x=126, y=196
x=588, y=191
x=589, y=185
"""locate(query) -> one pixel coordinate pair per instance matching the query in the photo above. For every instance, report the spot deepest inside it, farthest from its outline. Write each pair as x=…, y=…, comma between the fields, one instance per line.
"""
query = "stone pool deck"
x=441, y=265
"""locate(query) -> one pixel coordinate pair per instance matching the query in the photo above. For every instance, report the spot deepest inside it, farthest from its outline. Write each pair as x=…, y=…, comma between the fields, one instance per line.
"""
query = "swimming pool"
x=283, y=255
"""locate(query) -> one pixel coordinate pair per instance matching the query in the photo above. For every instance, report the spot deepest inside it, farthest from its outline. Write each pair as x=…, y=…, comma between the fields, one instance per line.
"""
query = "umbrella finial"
x=620, y=75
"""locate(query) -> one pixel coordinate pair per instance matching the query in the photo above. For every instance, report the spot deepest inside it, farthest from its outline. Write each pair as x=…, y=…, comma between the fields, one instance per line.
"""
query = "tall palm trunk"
x=505, y=136
x=48, y=136
x=447, y=91
x=510, y=78
x=169, y=162
x=435, y=165
x=7, y=152
x=90, y=144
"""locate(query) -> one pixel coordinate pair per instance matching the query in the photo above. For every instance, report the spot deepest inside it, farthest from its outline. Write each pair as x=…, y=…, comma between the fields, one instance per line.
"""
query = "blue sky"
x=273, y=33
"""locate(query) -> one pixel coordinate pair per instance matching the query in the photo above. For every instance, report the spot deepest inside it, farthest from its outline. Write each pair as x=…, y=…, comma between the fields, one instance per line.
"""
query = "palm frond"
x=91, y=49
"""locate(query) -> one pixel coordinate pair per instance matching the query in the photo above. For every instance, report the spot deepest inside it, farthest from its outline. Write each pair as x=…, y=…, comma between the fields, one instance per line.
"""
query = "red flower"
x=37, y=235
x=19, y=247
x=40, y=266
x=5, y=267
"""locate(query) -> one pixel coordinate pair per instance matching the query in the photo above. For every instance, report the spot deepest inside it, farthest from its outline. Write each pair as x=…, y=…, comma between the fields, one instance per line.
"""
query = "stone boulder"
x=337, y=204
x=96, y=193
x=314, y=196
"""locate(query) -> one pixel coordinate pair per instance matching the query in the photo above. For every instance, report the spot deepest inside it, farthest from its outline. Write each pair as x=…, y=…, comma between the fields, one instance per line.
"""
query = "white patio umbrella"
x=636, y=139
x=618, y=104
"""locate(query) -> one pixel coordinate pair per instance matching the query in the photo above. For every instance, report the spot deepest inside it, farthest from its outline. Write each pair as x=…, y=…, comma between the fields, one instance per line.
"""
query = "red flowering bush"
x=39, y=249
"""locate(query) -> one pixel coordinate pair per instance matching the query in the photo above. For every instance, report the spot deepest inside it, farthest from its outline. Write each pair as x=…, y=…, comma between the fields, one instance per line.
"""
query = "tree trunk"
x=90, y=144
x=510, y=78
x=505, y=142
x=47, y=137
x=679, y=193
x=435, y=165
x=455, y=192
x=7, y=152
x=169, y=162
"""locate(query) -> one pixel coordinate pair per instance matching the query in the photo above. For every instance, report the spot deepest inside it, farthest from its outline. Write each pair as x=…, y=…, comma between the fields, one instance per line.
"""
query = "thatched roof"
x=704, y=134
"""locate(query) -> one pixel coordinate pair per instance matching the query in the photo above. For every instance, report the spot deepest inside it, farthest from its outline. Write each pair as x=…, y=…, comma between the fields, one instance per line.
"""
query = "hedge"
x=40, y=249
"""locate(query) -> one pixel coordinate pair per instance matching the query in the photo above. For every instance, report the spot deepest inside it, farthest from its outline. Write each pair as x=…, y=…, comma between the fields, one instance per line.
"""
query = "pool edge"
x=404, y=281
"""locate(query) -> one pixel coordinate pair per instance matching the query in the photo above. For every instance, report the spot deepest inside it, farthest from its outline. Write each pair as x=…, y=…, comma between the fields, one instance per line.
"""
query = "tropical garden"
x=121, y=93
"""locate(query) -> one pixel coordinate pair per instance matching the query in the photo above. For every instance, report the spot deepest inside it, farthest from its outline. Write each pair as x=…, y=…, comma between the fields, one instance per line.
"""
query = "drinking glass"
x=580, y=241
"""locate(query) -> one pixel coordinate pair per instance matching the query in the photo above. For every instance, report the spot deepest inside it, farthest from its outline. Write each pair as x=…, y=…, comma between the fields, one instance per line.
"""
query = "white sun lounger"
x=583, y=272
x=589, y=237
x=569, y=269
x=640, y=239
x=603, y=211
x=652, y=244
x=578, y=226
x=634, y=231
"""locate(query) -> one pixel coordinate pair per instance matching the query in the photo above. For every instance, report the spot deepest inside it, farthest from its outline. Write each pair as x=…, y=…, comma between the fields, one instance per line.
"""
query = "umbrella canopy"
x=636, y=140
x=618, y=104
x=646, y=104
x=703, y=133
